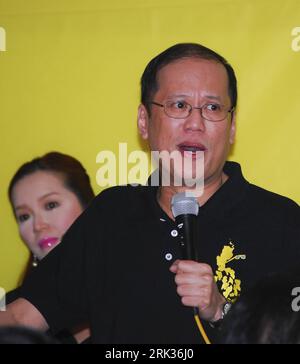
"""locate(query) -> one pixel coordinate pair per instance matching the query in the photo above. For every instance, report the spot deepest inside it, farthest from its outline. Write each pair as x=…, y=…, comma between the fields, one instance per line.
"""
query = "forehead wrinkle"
x=195, y=83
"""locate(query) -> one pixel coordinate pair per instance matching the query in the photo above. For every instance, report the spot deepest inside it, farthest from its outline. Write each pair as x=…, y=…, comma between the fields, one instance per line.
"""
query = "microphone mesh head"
x=182, y=205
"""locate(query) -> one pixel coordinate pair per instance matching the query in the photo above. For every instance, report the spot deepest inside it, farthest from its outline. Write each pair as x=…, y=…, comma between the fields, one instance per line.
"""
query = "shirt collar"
x=221, y=202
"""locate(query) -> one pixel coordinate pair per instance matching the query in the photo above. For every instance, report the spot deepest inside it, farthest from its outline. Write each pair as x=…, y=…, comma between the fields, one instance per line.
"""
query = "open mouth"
x=191, y=149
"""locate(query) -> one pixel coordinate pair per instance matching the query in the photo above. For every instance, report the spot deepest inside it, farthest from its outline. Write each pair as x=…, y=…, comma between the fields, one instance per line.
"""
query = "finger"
x=196, y=301
x=190, y=266
x=188, y=278
x=174, y=266
x=192, y=290
x=198, y=279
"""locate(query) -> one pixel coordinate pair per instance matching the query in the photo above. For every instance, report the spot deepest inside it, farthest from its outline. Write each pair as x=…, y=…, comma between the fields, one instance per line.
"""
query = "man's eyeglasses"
x=182, y=109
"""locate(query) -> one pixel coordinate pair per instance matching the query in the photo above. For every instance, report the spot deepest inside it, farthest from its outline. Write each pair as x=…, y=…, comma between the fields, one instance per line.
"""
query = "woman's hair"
x=265, y=314
x=73, y=174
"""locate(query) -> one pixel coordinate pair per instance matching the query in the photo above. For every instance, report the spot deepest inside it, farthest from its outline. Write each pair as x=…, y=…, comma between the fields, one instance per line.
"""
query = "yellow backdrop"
x=69, y=81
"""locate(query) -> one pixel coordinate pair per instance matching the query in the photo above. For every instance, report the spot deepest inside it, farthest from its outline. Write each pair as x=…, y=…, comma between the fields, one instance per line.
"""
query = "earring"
x=34, y=261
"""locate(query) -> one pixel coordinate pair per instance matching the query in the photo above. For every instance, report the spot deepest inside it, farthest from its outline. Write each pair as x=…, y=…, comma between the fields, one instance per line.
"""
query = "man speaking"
x=120, y=265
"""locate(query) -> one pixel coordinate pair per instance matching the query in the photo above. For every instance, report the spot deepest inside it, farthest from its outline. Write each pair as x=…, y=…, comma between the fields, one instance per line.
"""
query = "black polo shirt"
x=112, y=267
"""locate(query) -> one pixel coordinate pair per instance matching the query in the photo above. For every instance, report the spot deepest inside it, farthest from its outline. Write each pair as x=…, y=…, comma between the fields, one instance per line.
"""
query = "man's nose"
x=195, y=121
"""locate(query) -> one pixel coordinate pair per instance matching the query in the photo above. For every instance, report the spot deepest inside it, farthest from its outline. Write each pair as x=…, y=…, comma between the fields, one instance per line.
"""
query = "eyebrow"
x=179, y=95
x=40, y=199
x=212, y=97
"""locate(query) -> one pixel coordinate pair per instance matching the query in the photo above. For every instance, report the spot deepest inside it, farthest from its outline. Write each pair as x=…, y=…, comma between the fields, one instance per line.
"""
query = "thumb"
x=174, y=266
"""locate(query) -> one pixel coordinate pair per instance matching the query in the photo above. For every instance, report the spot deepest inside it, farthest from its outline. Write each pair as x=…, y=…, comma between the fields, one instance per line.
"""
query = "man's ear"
x=232, y=128
x=143, y=121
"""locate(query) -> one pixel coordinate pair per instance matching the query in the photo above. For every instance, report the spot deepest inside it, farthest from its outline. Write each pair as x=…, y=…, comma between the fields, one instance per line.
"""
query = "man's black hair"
x=149, y=82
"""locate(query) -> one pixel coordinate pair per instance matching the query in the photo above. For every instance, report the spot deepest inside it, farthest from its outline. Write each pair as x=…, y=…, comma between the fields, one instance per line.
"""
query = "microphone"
x=185, y=210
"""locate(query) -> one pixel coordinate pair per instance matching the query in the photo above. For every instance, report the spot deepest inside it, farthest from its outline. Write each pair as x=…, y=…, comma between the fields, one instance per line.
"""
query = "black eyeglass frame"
x=230, y=111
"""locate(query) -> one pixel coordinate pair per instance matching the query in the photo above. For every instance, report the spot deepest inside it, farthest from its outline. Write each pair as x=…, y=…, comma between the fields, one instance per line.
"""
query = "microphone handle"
x=187, y=227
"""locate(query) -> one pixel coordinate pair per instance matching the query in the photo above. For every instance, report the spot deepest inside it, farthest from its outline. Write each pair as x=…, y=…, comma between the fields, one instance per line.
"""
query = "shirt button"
x=168, y=256
x=174, y=233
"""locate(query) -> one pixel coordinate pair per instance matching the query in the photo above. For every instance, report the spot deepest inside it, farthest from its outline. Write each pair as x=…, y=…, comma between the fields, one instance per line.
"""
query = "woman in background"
x=47, y=195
